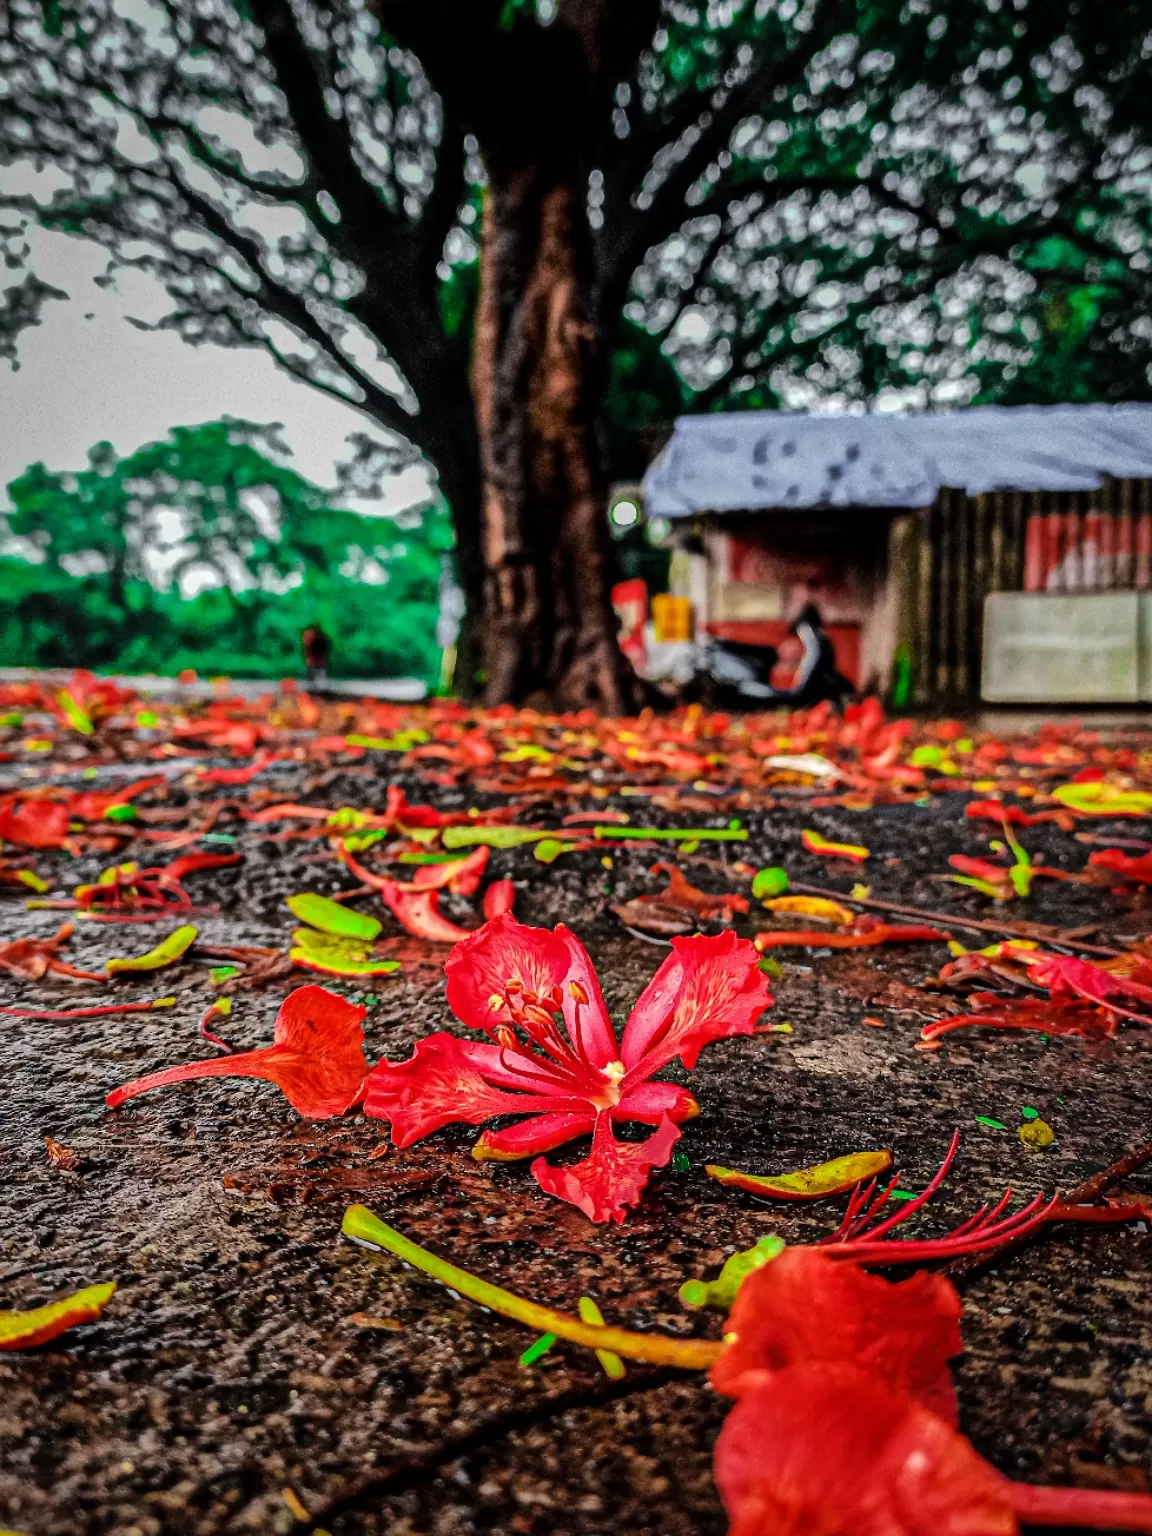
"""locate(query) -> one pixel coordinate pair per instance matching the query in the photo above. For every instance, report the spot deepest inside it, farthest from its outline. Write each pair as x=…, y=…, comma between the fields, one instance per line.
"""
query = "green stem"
x=674, y=834
x=688, y=1354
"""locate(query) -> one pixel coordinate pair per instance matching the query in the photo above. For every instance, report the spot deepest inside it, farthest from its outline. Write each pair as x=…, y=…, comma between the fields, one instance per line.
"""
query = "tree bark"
x=549, y=629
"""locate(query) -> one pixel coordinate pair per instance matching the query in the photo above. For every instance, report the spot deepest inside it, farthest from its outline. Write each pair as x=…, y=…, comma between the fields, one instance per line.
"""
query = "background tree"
x=795, y=199
x=207, y=550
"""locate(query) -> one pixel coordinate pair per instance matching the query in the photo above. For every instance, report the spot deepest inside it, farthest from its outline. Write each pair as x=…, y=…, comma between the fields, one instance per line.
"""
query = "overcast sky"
x=86, y=374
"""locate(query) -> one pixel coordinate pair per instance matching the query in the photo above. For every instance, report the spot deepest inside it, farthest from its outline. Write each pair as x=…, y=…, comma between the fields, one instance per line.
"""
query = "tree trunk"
x=453, y=449
x=549, y=630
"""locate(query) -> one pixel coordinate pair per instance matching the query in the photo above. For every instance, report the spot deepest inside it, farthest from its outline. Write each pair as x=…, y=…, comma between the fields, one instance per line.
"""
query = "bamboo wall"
x=963, y=547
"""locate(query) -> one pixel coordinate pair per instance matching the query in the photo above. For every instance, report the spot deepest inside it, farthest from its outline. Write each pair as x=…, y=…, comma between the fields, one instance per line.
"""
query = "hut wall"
x=963, y=547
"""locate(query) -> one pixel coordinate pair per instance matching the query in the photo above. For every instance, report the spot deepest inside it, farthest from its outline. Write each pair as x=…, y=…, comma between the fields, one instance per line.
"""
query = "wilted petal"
x=707, y=989
x=443, y=1083
x=613, y=1176
x=806, y=1306
x=540, y=1133
x=316, y=1059
x=503, y=950
x=831, y=1451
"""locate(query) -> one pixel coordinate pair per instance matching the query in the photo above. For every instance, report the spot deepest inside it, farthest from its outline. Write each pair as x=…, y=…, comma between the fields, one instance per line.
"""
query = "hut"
x=1002, y=553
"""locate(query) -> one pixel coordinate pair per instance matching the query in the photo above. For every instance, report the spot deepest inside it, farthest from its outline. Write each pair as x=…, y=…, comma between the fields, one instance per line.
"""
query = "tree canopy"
x=207, y=550
x=841, y=196
x=787, y=201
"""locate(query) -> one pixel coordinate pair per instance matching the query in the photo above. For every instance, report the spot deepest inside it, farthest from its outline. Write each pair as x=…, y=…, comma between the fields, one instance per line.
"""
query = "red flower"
x=806, y=1307
x=552, y=1054
x=316, y=1058
x=831, y=1450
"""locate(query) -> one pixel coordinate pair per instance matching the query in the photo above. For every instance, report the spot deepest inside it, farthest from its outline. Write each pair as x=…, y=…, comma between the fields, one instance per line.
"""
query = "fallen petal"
x=316, y=1059
x=815, y=1183
x=612, y=1178
x=22, y=1330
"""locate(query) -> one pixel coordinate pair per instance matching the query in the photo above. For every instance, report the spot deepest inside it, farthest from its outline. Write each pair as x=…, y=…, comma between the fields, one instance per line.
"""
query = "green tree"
x=797, y=199
x=207, y=550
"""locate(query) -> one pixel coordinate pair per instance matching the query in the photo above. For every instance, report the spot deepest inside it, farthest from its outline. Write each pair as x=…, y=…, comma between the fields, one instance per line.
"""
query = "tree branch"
x=637, y=229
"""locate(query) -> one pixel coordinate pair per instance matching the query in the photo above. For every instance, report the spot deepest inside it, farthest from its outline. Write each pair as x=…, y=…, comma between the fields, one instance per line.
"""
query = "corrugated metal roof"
x=756, y=460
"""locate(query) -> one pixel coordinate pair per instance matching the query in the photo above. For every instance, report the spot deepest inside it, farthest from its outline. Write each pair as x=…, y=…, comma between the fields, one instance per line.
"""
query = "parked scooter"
x=735, y=676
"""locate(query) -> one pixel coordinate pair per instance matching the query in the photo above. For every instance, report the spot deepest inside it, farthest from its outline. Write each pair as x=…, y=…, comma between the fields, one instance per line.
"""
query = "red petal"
x=707, y=989
x=444, y=1082
x=589, y=1024
x=35, y=824
x=806, y=1307
x=500, y=897
x=461, y=876
x=831, y=1451
x=191, y=862
x=613, y=1176
x=650, y=1102
x=1064, y=975
x=503, y=950
x=418, y=912
x=539, y=1133
x=316, y=1060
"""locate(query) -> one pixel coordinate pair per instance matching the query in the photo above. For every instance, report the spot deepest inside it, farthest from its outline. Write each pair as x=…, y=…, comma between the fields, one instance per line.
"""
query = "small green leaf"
x=549, y=849
x=167, y=952
x=337, y=955
x=493, y=837
x=769, y=882
x=996, y=1125
x=541, y=1347
x=331, y=917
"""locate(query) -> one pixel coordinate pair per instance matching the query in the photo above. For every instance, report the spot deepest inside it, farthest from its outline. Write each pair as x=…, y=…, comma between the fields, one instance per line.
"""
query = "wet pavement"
x=228, y=1368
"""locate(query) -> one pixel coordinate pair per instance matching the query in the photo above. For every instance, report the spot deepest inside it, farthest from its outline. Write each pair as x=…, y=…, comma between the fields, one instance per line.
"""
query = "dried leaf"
x=812, y=906
x=22, y=1330
x=815, y=1183
x=815, y=843
x=167, y=952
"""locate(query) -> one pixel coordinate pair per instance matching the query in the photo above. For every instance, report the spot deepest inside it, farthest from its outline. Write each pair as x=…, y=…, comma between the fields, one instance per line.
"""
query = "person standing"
x=316, y=647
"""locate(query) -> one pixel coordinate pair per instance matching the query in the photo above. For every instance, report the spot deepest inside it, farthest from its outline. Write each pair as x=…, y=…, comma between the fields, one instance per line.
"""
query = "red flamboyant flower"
x=833, y=1450
x=553, y=1055
x=316, y=1058
x=806, y=1307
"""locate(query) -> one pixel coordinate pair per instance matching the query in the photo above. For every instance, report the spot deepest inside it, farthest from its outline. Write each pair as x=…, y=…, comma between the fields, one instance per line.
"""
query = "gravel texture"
x=226, y=1370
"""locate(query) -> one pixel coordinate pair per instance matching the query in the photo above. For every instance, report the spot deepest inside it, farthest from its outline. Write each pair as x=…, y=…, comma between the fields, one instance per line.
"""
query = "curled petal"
x=816, y=1183
x=500, y=897
x=806, y=1307
x=833, y=1451
x=650, y=1102
x=707, y=989
x=613, y=1176
x=418, y=912
x=443, y=1083
x=539, y=1133
x=23, y=1330
x=461, y=876
x=316, y=1058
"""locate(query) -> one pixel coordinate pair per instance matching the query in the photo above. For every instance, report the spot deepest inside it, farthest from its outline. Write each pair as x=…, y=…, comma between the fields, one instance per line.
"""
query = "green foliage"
x=203, y=551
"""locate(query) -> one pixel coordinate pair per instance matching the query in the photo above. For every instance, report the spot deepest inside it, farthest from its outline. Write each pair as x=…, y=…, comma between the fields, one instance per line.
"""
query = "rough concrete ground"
x=226, y=1370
